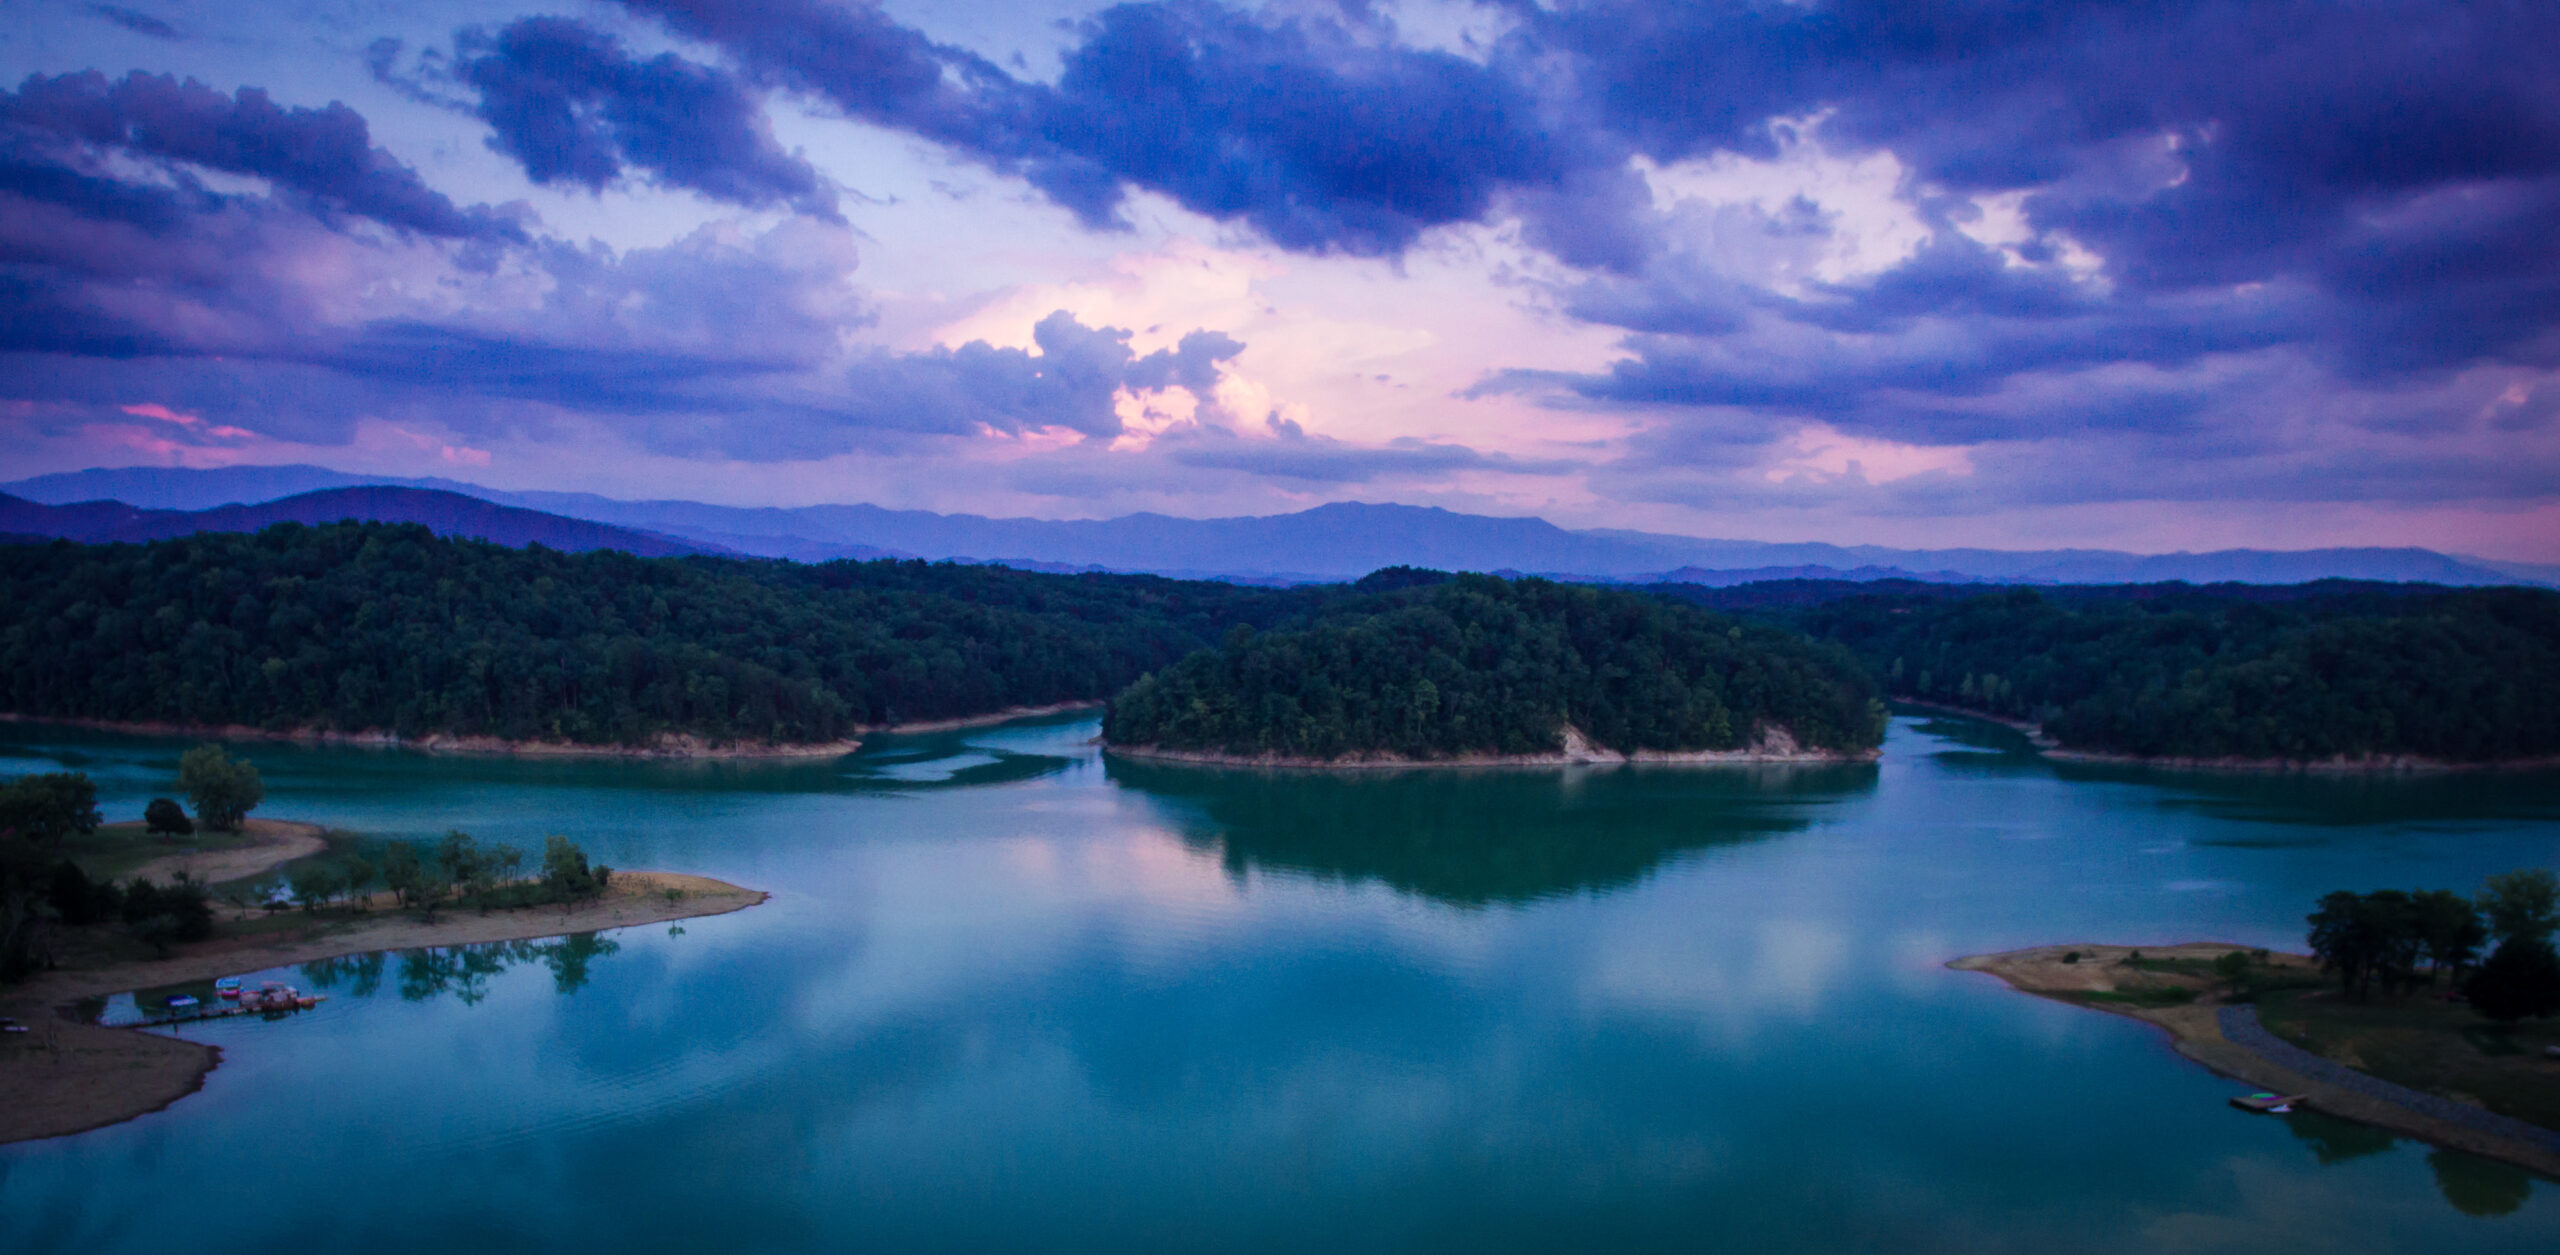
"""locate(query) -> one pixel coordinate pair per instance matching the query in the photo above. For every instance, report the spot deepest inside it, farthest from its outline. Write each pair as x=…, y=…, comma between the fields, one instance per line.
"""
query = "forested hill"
x=2468, y=675
x=386, y=627
x=1478, y=665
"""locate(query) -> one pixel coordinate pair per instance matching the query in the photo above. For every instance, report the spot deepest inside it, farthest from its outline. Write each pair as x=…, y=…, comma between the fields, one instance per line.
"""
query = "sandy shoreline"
x=664, y=746
x=989, y=719
x=2342, y=764
x=1774, y=749
x=2197, y=1033
x=63, y=1077
x=277, y=842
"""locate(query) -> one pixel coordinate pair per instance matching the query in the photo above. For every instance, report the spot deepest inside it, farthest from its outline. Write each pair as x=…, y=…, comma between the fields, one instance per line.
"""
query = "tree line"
x=2466, y=675
x=42, y=889
x=360, y=627
x=2380, y=939
x=1425, y=666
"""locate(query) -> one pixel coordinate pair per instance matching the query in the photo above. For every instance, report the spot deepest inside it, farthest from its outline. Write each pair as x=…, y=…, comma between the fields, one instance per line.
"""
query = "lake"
x=1012, y=995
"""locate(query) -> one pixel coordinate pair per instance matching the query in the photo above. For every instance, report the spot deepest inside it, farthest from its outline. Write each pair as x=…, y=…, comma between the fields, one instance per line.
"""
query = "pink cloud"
x=153, y=409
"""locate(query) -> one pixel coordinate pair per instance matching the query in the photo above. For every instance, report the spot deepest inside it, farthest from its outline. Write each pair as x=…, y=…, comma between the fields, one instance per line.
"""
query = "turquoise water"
x=1010, y=996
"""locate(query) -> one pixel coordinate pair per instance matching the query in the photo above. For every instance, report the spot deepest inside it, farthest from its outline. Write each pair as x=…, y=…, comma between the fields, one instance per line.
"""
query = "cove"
x=1013, y=994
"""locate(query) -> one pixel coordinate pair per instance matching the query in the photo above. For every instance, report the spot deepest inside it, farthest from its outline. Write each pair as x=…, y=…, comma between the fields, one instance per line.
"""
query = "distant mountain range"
x=449, y=513
x=1330, y=542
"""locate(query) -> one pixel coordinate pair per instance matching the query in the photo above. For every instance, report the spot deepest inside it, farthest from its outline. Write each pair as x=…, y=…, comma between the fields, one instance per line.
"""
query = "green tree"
x=566, y=877
x=2522, y=905
x=164, y=815
x=162, y=915
x=47, y=808
x=2346, y=940
x=360, y=875
x=2520, y=981
x=315, y=883
x=2449, y=927
x=223, y=789
x=411, y=877
x=26, y=917
x=2232, y=970
x=467, y=866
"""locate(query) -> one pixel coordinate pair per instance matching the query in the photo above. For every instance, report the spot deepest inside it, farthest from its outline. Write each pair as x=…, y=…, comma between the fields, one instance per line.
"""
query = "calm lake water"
x=1010, y=995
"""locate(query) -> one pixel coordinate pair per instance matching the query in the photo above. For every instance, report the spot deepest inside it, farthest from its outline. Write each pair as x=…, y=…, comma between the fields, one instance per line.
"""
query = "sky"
x=2146, y=275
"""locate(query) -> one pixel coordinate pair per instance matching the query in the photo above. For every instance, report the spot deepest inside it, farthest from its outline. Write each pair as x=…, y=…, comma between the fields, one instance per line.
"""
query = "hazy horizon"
x=1955, y=275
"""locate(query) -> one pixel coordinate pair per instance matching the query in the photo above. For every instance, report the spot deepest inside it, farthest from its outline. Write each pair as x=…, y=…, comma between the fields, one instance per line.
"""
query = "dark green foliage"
x=223, y=789
x=2469, y=675
x=26, y=917
x=2520, y=981
x=182, y=910
x=2381, y=936
x=1475, y=664
x=2522, y=905
x=2449, y=929
x=383, y=627
x=79, y=900
x=46, y=808
x=164, y=815
x=315, y=883
x=412, y=879
x=566, y=877
x=2367, y=937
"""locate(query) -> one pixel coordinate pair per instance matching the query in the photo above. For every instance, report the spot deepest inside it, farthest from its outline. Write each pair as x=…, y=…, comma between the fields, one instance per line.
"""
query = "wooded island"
x=386, y=630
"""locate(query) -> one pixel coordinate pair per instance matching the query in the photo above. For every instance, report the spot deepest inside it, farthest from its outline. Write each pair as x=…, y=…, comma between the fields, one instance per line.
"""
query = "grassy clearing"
x=115, y=850
x=2419, y=1041
x=2138, y=996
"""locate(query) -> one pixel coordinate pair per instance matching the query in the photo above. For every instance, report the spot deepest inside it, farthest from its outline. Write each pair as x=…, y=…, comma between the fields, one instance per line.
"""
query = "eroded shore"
x=2342, y=764
x=1775, y=749
x=663, y=746
x=62, y=1076
x=2197, y=1032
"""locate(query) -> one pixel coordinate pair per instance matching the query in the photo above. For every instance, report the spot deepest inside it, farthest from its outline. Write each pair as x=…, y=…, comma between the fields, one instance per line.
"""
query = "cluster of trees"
x=36, y=813
x=387, y=627
x=160, y=915
x=2467, y=675
x=44, y=809
x=1426, y=666
x=2381, y=938
x=224, y=790
x=456, y=871
x=39, y=887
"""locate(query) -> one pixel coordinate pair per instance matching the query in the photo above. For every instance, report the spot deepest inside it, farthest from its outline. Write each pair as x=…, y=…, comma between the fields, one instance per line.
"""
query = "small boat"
x=180, y=1002
x=227, y=987
x=8, y=1025
x=2266, y=1103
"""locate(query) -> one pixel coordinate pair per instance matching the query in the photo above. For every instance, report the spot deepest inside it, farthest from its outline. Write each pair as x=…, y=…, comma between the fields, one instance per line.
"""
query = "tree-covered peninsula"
x=2341, y=671
x=1483, y=667
x=366, y=627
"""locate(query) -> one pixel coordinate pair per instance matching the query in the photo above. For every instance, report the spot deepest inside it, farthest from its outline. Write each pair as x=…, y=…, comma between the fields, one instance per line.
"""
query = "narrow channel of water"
x=1011, y=995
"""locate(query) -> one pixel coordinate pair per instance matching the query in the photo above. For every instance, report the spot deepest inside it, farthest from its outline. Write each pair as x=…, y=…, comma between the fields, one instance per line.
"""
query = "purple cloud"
x=325, y=156
x=571, y=105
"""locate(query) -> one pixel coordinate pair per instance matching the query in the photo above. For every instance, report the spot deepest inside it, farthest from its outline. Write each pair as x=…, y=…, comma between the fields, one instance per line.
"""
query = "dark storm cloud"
x=573, y=106
x=2371, y=184
x=324, y=156
x=1319, y=136
x=137, y=22
x=2403, y=156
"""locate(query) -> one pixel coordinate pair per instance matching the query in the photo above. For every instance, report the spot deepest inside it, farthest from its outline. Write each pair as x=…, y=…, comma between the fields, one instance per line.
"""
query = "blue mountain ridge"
x=1337, y=541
